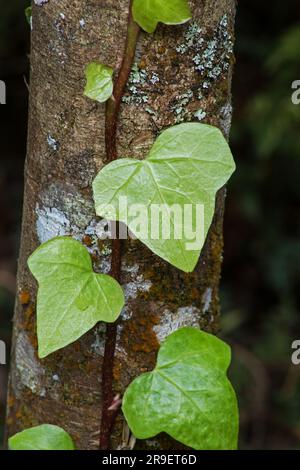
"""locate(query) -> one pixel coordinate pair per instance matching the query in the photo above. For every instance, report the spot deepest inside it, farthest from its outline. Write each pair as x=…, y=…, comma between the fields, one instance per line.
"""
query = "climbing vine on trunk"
x=188, y=394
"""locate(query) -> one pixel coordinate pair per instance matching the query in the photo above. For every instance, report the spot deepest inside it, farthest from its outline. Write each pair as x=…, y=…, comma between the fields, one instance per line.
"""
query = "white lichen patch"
x=136, y=94
x=126, y=314
x=105, y=264
x=29, y=369
x=51, y=223
x=200, y=114
x=121, y=352
x=206, y=300
x=132, y=269
x=98, y=345
x=59, y=23
x=179, y=106
x=40, y=2
x=154, y=78
x=171, y=321
x=192, y=38
x=139, y=84
x=131, y=292
x=58, y=43
x=211, y=55
x=132, y=289
x=150, y=111
x=101, y=231
x=63, y=211
x=226, y=116
x=53, y=144
x=137, y=283
x=82, y=23
x=92, y=231
x=104, y=229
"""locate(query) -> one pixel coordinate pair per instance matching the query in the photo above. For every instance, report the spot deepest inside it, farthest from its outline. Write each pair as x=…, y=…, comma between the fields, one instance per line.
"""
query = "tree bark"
x=66, y=148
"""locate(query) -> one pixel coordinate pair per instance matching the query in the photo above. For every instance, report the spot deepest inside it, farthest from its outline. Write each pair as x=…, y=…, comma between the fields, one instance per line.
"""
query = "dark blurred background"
x=260, y=289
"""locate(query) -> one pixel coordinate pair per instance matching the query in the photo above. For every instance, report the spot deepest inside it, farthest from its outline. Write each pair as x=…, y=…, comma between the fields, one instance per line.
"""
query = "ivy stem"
x=111, y=126
x=113, y=104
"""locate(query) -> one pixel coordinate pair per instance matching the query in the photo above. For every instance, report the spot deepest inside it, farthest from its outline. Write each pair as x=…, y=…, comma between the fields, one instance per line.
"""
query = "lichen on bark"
x=64, y=389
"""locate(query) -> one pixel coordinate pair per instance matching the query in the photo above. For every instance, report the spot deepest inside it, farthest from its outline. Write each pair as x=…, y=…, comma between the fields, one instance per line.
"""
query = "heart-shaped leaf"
x=71, y=297
x=174, y=188
x=44, y=437
x=99, y=83
x=187, y=395
x=150, y=12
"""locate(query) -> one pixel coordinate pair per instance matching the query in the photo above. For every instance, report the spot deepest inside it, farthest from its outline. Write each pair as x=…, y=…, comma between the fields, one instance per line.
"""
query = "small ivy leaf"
x=28, y=15
x=186, y=167
x=99, y=85
x=71, y=297
x=149, y=13
x=44, y=437
x=187, y=395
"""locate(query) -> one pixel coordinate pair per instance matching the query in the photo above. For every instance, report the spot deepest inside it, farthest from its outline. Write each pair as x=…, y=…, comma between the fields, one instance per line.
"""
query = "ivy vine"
x=188, y=394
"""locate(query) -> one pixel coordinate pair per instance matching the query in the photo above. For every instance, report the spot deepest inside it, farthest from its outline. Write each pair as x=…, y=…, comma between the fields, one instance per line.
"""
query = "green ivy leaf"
x=71, y=297
x=187, y=395
x=28, y=15
x=99, y=85
x=150, y=12
x=44, y=437
x=187, y=165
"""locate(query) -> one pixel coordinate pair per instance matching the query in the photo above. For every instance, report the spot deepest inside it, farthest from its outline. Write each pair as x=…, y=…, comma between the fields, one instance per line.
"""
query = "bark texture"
x=182, y=73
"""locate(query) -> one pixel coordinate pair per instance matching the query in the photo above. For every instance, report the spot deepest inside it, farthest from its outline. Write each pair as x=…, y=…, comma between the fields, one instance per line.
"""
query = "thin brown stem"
x=113, y=104
x=111, y=127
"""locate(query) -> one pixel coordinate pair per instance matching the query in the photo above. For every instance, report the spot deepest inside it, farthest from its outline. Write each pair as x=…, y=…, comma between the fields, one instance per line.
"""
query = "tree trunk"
x=183, y=73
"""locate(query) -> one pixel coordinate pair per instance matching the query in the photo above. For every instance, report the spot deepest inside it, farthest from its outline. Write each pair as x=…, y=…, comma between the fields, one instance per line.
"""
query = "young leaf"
x=71, y=297
x=44, y=437
x=187, y=395
x=99, y=83
x=28, y=15
x=186, y=166
x=150, y=12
